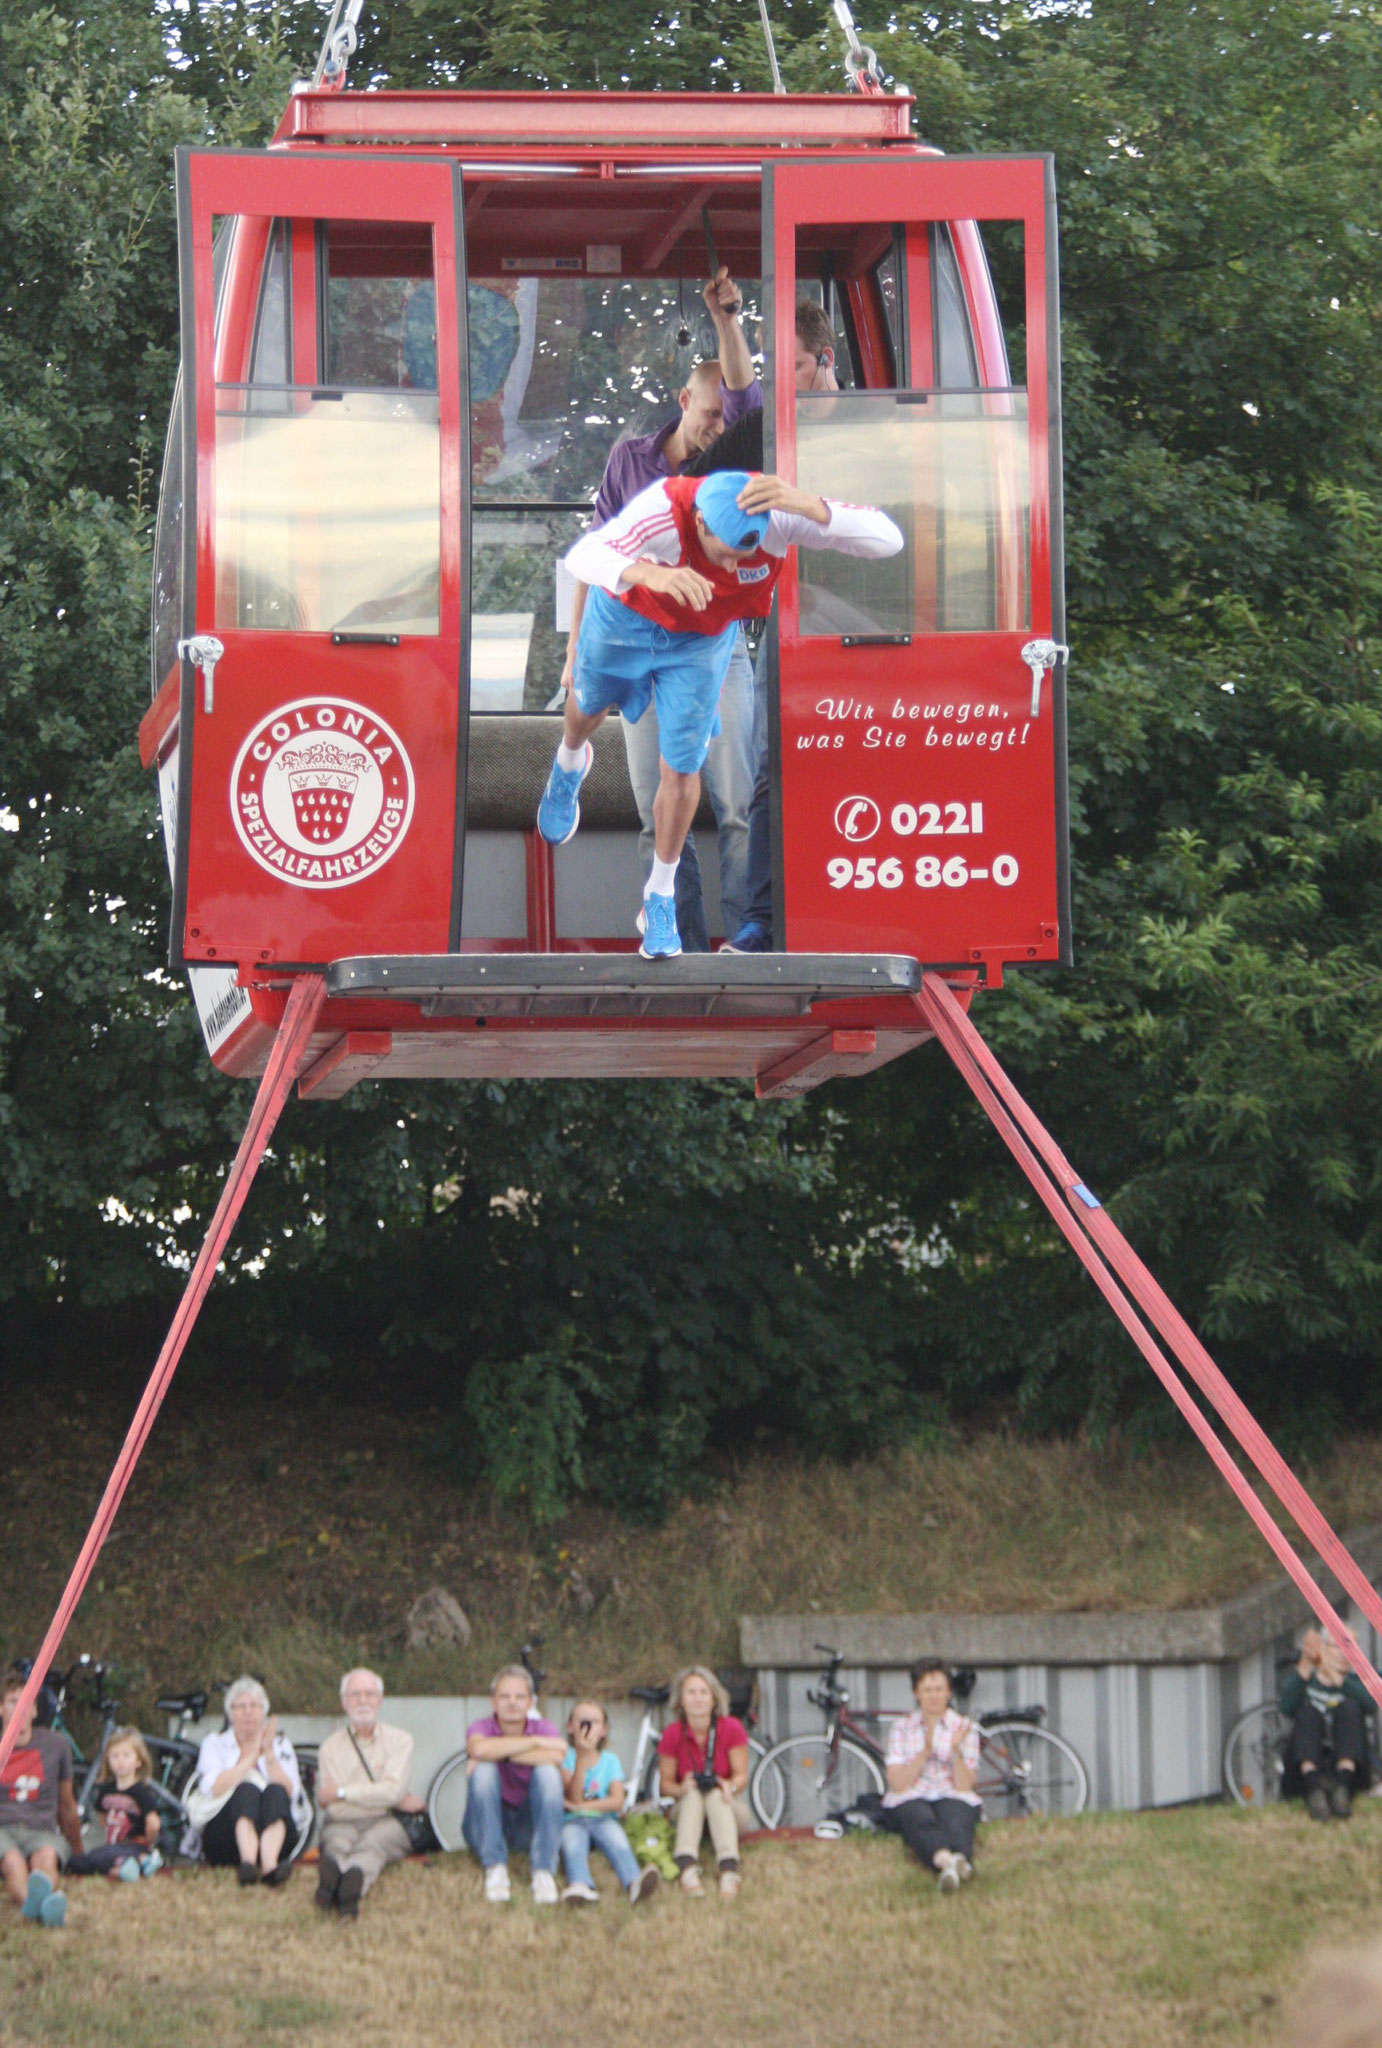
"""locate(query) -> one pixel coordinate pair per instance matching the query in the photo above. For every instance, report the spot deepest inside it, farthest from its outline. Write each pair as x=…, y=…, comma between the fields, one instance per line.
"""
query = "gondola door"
x=921, y=737
x=324, y=648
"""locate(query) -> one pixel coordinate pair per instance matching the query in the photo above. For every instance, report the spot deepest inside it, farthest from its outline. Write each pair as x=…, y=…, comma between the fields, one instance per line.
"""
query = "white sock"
x=571, y=758
x=663, y=879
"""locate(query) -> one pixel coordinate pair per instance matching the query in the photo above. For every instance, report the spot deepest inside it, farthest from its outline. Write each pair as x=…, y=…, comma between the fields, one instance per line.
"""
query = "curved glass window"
x=952, y=468
x=328, y=470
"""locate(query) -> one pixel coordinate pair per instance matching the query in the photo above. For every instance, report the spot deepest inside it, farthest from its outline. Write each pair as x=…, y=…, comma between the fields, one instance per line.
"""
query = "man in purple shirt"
x=515, y=1798
x=728, y=771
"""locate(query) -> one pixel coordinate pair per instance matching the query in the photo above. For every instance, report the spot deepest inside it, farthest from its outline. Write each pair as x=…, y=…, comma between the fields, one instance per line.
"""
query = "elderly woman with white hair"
x=703, y=1765
x=362, y=1787
x=247, y=1798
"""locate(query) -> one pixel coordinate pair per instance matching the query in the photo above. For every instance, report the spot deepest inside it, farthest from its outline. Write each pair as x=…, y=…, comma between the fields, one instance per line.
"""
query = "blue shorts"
x=626, y=660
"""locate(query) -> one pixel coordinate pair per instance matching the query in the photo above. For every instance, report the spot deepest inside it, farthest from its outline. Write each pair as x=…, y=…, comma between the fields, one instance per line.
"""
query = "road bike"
x=1024, y=1768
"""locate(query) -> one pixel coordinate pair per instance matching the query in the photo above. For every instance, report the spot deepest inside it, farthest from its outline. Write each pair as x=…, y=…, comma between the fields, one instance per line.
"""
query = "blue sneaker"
x=559, y=813
x=661, y=939
x=128, y=1873
x=750, y=938
x=150, y=1863
x=53, y=1912
x=40, y=1888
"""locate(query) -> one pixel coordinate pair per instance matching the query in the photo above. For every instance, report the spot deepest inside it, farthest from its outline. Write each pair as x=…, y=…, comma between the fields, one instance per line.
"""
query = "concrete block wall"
x=1147, y=1699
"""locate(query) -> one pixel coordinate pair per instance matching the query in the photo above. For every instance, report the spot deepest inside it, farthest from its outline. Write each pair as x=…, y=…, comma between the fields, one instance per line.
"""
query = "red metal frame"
x=1087, y=1227
x=517, y=123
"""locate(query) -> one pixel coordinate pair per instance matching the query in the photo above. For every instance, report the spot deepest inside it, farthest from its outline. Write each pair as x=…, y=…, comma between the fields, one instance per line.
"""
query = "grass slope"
x=288, y=1531
x=1133, y=1931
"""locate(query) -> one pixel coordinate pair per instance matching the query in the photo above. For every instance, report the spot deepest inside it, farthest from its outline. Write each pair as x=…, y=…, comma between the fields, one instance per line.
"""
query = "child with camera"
x=703, y=1763
x=594, y=1781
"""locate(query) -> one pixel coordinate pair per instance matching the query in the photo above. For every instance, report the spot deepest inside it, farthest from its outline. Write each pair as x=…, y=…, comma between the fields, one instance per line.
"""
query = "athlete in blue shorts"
x=673, y=574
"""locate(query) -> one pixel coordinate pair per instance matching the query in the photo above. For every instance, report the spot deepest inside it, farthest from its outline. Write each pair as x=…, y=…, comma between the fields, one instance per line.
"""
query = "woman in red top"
x=703, y=1762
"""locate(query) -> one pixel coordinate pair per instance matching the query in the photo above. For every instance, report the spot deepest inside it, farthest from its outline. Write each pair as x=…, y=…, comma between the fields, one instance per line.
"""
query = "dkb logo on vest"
x=322, y=793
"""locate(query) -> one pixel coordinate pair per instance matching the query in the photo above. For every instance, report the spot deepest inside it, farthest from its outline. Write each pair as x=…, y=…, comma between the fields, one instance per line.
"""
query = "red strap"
x=1096, y=1238
x=299, y=1020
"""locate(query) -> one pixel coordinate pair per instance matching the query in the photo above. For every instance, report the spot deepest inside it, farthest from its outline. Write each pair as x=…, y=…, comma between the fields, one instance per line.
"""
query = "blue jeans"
x=491, y=1828
x=728, y=777
x=758, y=885
x=603, y=1831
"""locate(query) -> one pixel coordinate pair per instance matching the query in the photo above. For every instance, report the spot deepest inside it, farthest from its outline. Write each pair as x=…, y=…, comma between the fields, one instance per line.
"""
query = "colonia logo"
x=322, y=793
x=857, y=818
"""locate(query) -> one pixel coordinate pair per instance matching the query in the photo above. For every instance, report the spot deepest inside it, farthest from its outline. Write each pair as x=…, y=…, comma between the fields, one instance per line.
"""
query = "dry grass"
x=1137, y=1931
x=295, y=1561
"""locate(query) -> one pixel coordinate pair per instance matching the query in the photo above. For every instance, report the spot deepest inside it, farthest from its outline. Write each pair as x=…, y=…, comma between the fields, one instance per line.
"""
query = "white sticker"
x=542, y=263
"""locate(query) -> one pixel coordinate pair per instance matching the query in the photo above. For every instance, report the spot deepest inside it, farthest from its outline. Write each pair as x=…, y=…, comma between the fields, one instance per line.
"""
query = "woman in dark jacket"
x=1326, y=1703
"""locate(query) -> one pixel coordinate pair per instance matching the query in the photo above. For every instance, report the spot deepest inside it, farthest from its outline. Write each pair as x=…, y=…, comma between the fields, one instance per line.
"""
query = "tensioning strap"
x=300, y=1015
x=1095, y=1239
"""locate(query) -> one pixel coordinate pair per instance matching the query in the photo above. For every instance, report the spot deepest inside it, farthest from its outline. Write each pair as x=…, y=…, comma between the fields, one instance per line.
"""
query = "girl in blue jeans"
x=594, y=1781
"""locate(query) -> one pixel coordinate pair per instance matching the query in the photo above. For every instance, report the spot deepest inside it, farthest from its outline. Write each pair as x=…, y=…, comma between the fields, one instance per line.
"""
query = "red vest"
x=743, y=592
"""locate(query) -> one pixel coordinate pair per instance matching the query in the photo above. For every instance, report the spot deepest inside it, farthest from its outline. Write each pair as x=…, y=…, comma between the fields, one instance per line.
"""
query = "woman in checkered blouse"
x=933, y=1759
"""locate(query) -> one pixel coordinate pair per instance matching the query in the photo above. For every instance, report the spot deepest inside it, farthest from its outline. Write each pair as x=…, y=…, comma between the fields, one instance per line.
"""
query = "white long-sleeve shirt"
x=646, y=531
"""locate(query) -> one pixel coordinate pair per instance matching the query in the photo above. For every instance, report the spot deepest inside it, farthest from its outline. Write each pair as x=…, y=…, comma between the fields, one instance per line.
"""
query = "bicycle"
x=173, y=1759
x=446, y=1793
x=644, y=1779
x=185, y=1709
x=1023, y=1767
x=1256, y=1749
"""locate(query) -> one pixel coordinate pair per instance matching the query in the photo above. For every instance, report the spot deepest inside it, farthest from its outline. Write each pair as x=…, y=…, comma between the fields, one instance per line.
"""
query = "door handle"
x=1040, y=655
x=203, y=650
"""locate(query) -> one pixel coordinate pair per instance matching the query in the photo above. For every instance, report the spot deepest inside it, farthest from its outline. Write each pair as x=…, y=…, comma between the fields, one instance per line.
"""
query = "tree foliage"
x=601, y=1286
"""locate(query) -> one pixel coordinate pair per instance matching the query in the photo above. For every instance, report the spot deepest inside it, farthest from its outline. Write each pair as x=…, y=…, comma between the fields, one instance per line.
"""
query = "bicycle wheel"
x=307, y=1770
x=1255, y=1755
x=649, y=1790
x=446, y=1801
x=1025, y=1770
x=799, y=1781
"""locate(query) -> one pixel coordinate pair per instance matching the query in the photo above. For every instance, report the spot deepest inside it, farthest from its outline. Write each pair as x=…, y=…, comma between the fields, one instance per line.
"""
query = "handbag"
x=422, y=1836
x=203, y=1806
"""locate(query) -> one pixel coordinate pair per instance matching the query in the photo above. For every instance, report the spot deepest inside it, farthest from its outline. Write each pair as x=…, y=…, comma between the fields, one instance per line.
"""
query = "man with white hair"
x=362, y=1786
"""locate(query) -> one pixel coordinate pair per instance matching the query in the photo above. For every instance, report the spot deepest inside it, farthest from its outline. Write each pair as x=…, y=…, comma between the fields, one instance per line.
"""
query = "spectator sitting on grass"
x=250, y=1805
x=594, y=1781
x=127, y=1808
x=703, y=1763
x=40, y=1827
x=362, y=1785
x=514, y=1793
x=1325, y=1702
x=933, y=1759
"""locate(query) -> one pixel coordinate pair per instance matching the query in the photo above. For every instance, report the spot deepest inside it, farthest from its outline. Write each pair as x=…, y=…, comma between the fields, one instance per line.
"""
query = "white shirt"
x=646, y=530
x=221, y=1752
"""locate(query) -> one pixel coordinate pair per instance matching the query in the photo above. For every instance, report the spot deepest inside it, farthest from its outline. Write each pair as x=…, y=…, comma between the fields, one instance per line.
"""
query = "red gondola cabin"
x=411, y=331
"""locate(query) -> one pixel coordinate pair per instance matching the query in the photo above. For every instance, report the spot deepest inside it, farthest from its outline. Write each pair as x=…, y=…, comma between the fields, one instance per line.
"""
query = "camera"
x=707, y=1781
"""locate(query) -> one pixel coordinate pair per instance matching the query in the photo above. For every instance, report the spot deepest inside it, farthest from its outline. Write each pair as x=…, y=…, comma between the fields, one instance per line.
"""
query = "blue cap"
x=717, y=503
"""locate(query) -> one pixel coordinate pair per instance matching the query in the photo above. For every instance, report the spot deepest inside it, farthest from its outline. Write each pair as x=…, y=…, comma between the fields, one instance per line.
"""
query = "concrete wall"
x=1148, y=1699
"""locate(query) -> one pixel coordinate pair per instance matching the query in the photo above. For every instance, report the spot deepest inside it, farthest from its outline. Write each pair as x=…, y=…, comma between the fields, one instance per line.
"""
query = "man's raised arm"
x=725, y=302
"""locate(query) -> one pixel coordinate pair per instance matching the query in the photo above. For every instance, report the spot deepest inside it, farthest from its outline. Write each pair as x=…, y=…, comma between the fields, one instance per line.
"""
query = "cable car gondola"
x=410, y=329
